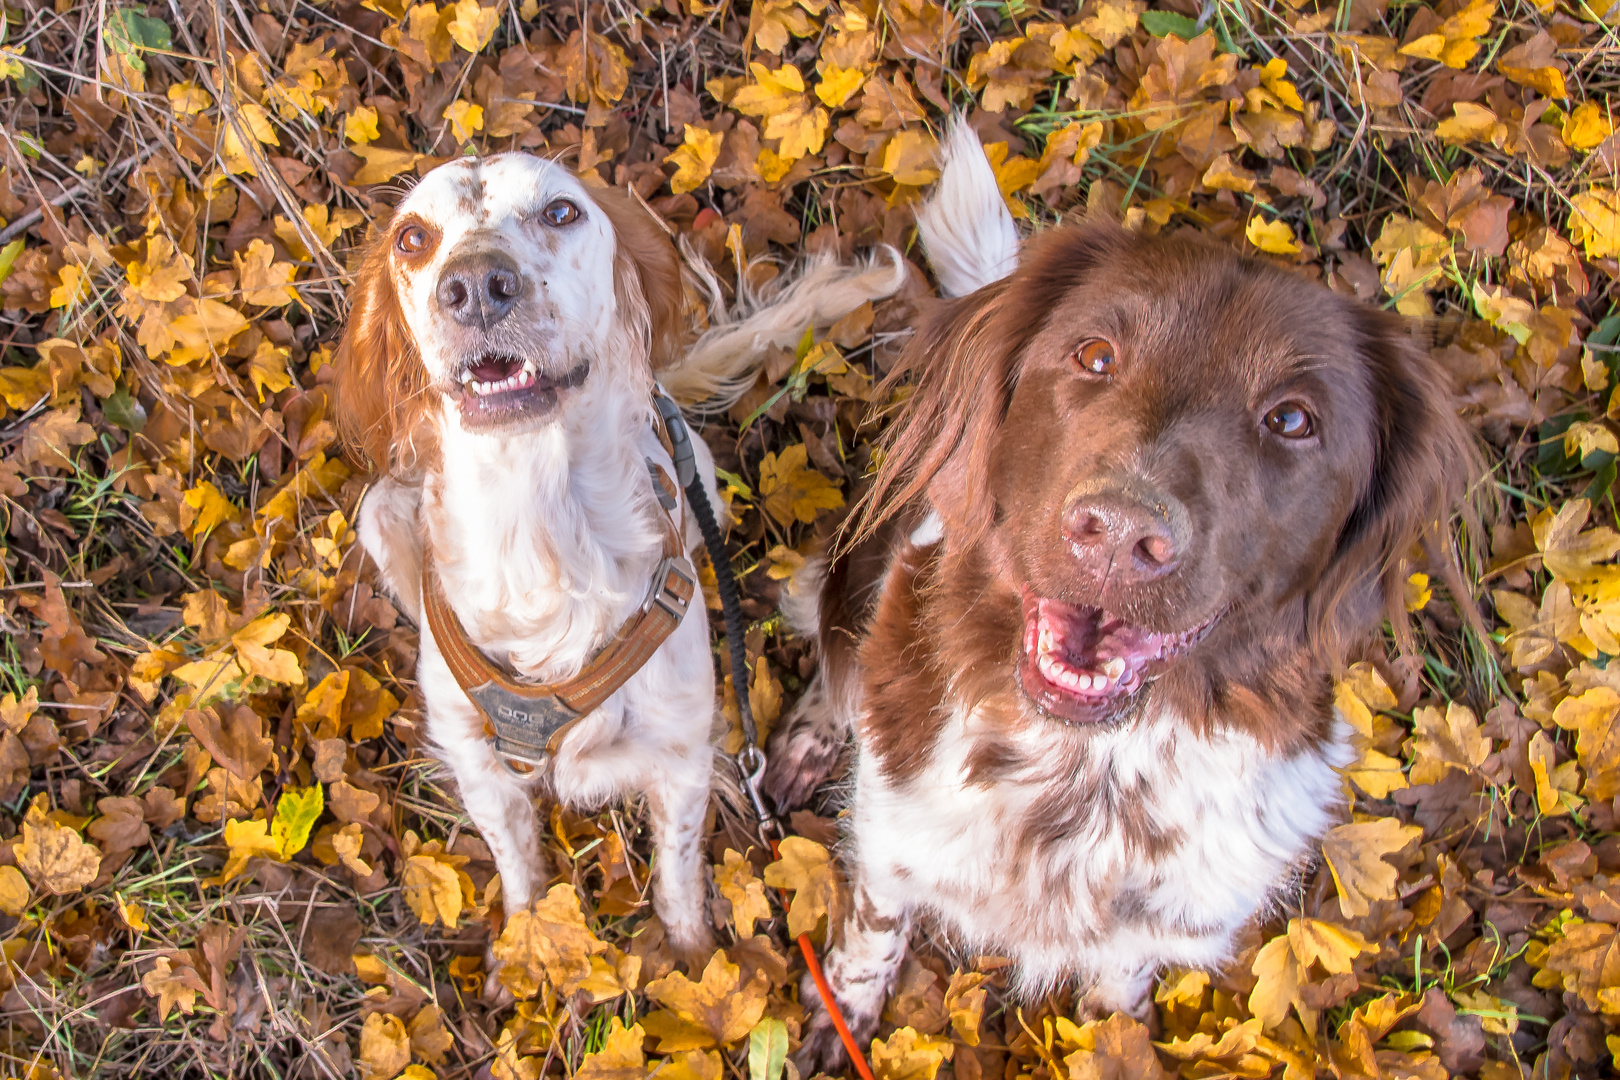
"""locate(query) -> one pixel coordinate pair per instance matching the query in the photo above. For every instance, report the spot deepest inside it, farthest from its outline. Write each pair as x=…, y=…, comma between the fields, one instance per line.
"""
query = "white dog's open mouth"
x=499, y=388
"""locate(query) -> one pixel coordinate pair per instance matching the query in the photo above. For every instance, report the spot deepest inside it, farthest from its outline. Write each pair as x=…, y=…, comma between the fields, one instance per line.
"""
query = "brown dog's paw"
x=494, y=993
x=820, y=1050
x=804, y=750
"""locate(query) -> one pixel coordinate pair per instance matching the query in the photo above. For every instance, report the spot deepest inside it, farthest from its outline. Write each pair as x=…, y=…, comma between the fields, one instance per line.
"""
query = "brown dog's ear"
x=1426, y=468
x=381, y=385
x=965, y=360
x=646, y=270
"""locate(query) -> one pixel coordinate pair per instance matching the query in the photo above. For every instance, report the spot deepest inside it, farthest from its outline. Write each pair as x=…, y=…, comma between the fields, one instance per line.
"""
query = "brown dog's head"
x=1180, y=465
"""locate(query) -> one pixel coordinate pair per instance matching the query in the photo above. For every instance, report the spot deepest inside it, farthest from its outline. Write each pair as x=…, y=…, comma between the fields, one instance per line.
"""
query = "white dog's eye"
x=559, y=212
x=412, y=239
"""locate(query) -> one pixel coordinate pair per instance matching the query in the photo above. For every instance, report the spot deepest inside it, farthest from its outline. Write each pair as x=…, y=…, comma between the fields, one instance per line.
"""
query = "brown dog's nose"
x=1124, y=534
x=479, y=289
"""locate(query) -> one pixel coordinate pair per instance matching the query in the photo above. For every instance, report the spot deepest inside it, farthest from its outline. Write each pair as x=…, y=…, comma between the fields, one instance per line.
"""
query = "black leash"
x=751, y=759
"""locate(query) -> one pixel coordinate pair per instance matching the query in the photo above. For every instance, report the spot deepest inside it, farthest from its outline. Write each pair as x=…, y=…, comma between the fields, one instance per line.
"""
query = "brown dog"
x=1145, y=495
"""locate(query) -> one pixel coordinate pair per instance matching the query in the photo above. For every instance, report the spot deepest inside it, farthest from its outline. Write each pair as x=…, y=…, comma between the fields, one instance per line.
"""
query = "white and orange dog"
x=510, y=330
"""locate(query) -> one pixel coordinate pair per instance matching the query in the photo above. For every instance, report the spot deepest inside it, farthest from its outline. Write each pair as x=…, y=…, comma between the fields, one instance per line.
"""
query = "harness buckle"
x=674, y=584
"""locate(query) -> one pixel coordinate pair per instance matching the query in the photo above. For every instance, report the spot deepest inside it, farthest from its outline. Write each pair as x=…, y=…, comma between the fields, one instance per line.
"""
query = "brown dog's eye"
x=560, y=212
x=411, y=239
x=1291, y=420
x=1094, y=357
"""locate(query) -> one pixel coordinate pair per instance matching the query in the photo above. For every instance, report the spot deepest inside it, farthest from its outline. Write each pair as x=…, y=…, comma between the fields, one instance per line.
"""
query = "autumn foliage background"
x=224, y=853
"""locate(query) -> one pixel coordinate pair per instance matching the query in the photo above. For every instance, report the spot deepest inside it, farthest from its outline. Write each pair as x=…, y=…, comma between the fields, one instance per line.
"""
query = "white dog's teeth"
x=1114, y=668
x=1047, y=641
x=466, y=377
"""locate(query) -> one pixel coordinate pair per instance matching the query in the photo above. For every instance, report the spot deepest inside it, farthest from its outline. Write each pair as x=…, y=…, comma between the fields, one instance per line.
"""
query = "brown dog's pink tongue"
x=1073, y=629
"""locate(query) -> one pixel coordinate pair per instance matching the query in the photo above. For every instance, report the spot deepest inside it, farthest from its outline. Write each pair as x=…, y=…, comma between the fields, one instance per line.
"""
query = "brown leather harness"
x=527, y=721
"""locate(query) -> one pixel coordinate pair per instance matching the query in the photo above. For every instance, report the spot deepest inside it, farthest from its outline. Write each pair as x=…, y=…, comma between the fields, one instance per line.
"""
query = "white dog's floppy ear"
x=381, y=384
x=646, y=276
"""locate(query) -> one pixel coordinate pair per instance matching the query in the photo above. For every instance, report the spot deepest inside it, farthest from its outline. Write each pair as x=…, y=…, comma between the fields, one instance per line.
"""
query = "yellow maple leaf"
x=360, y=126
x=909, y=1055
x=770, y=22
x=204, y=330
x=74, y=289
x=838, y=85
x=1533, y=63
x=965, y=998
x=790, y=116
x=188, y=99
x=433, y=885
x=909, y=158
x=694, y=158
x=466, y=119
x=383, y=164
x=718, y=1009
x=1552, y=798
x=1355, y=855
x=267, y=369
x=256, y=658
x=1594, y=222
x=620, y=1057
x=792, y=491
x=1417, y=592
x=14, y=891
x=385, y=1047
x=209, y=508
x=264, y=281
x=473, y=26
x=1471, y=123
x=56, y=858
x=246, y=840
x=1272, y=237
x=548, y=944
x=735, y=880
x=1012, y=174
x=806, y=868
x=162, y=275
x=1591, y=716
x=1278, y=977
x=1325, y=943
x=1111, y=20
x=175, y=983
x=1442, y=744
x=1273, y=76
x=1587, y=125
x=1455, y=42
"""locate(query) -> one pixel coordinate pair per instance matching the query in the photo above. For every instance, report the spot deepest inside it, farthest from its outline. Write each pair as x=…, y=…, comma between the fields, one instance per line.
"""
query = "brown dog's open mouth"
x=498, y=388
x=1082, y=664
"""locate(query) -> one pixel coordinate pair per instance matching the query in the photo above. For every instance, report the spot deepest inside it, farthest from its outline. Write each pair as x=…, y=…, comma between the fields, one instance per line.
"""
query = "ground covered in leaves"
x=223, y=852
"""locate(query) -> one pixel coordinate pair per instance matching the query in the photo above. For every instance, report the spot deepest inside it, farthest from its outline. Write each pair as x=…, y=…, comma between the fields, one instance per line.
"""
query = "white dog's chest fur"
x=1085, y=898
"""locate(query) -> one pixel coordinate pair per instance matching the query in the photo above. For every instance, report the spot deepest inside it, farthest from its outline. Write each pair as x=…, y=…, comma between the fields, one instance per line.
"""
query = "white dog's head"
x=498, y=289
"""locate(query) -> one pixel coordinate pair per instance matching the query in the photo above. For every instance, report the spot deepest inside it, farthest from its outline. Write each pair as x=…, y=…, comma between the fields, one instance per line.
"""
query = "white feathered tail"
x=723, y=362
x=966, y=228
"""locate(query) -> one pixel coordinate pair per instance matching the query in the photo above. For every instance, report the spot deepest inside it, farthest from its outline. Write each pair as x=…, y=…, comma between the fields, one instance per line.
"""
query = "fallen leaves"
x=55, y=858
x=224, y=685
x=547, y=945
x=1356, y=854
x=716, y=1010
x=805, y=868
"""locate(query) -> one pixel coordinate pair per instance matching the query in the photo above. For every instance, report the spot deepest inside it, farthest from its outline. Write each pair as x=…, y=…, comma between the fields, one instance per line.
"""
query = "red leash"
x=826, y=993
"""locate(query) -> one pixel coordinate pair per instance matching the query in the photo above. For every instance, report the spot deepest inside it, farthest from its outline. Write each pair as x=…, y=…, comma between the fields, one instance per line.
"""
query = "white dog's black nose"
x=480, y=288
